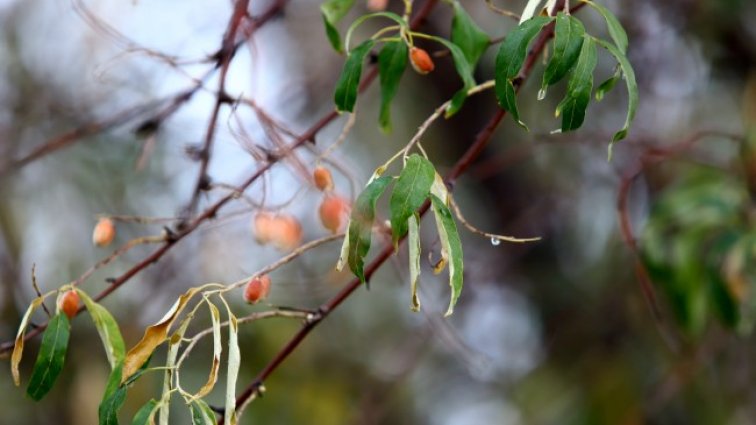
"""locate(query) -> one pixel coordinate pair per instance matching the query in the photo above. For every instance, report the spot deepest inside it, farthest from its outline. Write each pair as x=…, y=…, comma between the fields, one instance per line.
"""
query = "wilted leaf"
x=153, y=336
x=234, y=361
x=410, y=191
x=573, y=106
x=345, y=95
x=18, y=346
x=107, y=327
x=530, y=10
x=392, y=61
x=568, y=39
x=217, y=349
x=509, y=60
x=170, y=367
x=361, y=225
x=52, y=355
x=466, y=34
x=414, y=259
x=333, y=11
x=450, y=242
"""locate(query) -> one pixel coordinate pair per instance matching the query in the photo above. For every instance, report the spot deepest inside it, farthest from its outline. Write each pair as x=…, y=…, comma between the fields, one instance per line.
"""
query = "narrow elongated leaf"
x=616, y=31
x=170, y=368
x=573, y=106
x=411, y=190
x=107, y=327
x=217, y=350
x=333, y=11
x=530, y=10
x=153, y=336
x=465, y=71
x=450, y=242
x=392, y=61
x=509, y=60
x=414, y=259
x=18, y=346
x=115, y=393
x=568, y=39
x=361, y=225
x=145, y=414
x=466, y=34
x=234, y=361
x=345, y=95
x=632, y=90
x=609, y=84
x=52, y=355
x=202, y=414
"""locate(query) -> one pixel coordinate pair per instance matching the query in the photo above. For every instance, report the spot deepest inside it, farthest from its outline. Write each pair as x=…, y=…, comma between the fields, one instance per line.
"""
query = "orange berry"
x=257, y=289
x=69, y=303
x=334, y=211
x=262, y=225
x=286, y=232
x=421, y=60
x=104, y=232
x=323, y=179
x=377, y=5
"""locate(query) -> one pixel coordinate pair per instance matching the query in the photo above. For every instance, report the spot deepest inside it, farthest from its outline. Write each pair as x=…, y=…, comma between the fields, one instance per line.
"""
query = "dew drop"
x=495, y=241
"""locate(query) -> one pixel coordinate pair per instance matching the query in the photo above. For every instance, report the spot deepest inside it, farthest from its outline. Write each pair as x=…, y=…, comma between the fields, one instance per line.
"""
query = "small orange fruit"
x=334, y=211
x=104, y=232
x=323, y=178
x=377, y=5
x=286, y=232
x=69, y=303
x=421, y=60
x=262, y=225
x=257, y=289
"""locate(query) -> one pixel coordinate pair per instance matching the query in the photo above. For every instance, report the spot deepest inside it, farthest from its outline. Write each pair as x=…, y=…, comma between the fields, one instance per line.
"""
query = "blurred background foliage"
x=553, y=332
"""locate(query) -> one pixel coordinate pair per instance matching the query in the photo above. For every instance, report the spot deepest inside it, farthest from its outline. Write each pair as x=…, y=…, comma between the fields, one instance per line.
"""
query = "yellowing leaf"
x=234, y=361
x=107, y=327
x=153, y=336
x=18, y=347
x=217, y=349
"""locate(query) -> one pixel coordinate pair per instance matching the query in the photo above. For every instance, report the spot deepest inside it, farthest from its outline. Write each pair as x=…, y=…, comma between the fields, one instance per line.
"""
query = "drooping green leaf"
x=466, y=34
x=202, y=414
x=107, y=327
x=345, y=95
x=414, y=259
x=608, y=84
x=361, y=225
x=145, y=414
x=573, y=106
x=632, y=90
x=452, y=245
x=510, y=59
x=568, y=39
x=52, y=355
x=392, y=61
x=616, y=31
x=115, y=393
x=333, y=11
x=411, y=190
x=465, y=72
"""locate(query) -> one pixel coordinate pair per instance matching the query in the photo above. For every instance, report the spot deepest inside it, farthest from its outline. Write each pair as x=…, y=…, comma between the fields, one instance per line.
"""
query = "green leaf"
x=568, y=39
x=107, y=327
x=349, y=81
x=145, y=414
x=414, y=259
x=115, y=393
x=608, y=85
x=202, y=414
x=452, y=245
x=466, y=34
x=52, y=355
x=392, y=61
x=616, y=31
x=509, y=60
x=333, y=11
x=411, y=190
x=632, y=90
x=361, y=225
x=465, y=72
x=573, y=106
